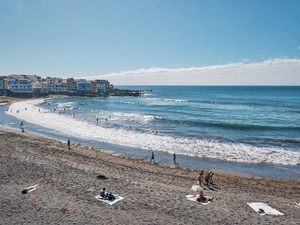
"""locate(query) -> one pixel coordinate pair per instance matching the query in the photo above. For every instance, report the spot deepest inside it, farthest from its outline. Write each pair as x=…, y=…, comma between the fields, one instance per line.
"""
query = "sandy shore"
x=153, y=194
x=8, y=100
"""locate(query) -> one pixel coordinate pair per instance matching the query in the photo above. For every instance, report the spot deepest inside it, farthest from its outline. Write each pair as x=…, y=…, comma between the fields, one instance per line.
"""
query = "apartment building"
x=83, y=85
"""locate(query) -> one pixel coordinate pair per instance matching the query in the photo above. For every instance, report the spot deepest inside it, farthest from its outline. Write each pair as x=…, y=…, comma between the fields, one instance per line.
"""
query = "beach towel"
x=193, y=198
x=110, y=202
x=30, y=189
x=262, y=209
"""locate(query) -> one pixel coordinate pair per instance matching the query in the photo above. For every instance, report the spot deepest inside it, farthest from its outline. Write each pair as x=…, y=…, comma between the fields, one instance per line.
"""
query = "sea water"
x=254, y=130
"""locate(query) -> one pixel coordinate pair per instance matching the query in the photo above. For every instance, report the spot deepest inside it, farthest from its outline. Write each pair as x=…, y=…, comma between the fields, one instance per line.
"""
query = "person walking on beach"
x=200, y=178
x=152, y=158
x=174, y=158
x=22, y=126
x=69, y=144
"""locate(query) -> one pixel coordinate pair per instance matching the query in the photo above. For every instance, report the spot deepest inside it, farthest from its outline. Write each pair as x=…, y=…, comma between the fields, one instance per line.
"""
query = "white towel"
x=267, y=209
x=193, y=198
x=110, y=202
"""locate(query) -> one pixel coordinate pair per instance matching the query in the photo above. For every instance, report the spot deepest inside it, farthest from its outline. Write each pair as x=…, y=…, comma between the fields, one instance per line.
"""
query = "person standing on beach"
x=69, y=144
x=152, y=158
x=200, y=178
x=22, y=126
x=174, y=158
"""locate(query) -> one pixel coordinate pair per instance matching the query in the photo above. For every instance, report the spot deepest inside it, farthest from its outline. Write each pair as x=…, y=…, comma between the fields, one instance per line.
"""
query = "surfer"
x=174, y=158
x=69, y=144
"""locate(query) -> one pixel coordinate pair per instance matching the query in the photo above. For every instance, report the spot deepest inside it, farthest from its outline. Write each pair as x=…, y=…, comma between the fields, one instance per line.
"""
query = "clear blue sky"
x=77, y=38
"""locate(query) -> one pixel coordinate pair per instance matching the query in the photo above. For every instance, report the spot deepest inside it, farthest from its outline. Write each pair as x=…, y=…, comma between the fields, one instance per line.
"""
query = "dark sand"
x=153, y=194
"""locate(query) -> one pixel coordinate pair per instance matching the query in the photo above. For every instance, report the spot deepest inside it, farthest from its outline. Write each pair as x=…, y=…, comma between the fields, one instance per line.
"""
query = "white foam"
x=70, y=126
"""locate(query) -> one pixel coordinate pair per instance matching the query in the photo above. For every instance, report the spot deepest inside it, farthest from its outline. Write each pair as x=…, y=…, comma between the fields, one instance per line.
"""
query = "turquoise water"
x=246, y=129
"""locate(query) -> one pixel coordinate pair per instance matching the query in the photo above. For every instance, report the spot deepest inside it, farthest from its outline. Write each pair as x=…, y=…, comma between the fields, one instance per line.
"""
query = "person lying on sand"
x=201, y=198
x=26, y=190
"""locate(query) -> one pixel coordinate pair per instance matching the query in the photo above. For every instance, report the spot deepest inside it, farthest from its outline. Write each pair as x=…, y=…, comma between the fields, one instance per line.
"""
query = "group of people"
x=152, y=158
x=106, y=195
x=208, y=178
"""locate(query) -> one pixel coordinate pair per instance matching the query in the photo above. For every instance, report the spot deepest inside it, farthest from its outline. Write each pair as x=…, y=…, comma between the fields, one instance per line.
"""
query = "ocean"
x=244, y=129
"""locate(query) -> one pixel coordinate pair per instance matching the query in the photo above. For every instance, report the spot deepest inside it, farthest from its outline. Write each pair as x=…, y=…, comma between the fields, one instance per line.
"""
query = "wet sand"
x=153, y=194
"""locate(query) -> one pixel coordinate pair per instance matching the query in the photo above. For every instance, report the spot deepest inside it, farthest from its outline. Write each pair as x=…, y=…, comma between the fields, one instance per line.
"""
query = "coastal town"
x=28, y=86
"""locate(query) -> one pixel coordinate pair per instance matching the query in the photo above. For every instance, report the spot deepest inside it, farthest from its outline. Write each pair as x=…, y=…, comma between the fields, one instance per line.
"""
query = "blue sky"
x=254, y=42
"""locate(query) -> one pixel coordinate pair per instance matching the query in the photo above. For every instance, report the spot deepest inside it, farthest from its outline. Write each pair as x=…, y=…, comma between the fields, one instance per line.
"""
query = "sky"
x=153, y=42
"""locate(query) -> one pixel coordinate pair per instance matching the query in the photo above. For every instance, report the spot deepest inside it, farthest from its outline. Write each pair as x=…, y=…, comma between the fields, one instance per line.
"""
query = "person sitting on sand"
x=102, y=193
x=201, y=198
x=26, y=190
x=109, y=196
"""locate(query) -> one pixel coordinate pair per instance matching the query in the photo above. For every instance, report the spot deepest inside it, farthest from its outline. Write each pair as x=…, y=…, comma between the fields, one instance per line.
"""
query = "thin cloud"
x=278, y=71
x=299, y=47
x=245, y=60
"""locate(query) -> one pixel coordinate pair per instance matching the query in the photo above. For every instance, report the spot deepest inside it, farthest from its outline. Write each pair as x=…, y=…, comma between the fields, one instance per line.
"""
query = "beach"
x=153, y=194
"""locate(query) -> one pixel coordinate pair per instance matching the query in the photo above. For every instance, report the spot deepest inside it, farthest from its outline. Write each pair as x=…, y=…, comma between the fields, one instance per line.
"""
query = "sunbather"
x=109, y=196
x=106, y=195
x=201, y=198
x=102, y=193
x=26, y=190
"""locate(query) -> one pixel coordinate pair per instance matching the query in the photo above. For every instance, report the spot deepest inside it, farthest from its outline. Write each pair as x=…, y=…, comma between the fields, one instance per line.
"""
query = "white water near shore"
x=72, y=126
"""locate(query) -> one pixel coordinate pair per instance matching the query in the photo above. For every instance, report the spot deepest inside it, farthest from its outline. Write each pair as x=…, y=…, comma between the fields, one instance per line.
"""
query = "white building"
x=83, y=85
x=52, y=85
x=101, y=86
x=37, y=87
x=19, y=85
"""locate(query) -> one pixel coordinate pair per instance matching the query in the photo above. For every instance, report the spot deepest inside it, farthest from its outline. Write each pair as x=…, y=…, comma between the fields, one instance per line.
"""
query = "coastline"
x=153, y=194
x=257, y=170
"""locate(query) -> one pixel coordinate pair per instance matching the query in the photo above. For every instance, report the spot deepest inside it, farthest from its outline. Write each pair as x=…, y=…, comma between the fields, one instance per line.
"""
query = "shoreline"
x=153, y=194
x=79, y=147
x=264, y=171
